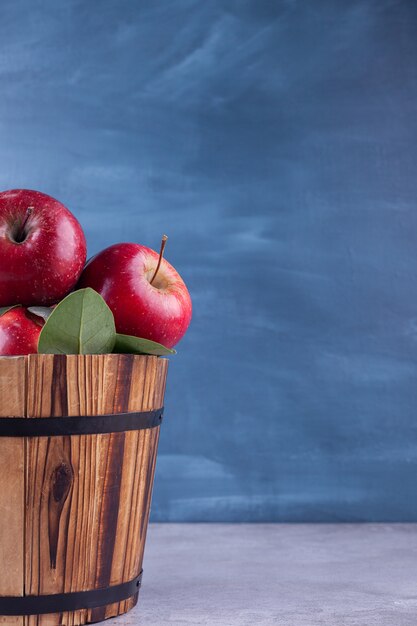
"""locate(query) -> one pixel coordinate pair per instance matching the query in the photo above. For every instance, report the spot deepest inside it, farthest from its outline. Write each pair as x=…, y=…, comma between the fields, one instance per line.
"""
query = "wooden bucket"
x=74, y=508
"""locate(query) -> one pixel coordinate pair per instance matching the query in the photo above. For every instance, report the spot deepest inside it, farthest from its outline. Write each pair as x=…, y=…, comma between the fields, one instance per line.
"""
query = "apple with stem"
x=42, y=249
x=148, y=297
x=19, y=332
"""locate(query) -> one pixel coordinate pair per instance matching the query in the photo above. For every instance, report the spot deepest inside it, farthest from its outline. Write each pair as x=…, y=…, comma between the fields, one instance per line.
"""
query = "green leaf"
x=41, y=311
x=5, y=309
x=81, y=323
x=137, y=345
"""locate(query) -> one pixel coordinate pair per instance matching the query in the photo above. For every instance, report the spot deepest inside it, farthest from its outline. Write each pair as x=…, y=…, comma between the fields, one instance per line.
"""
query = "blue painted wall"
x=276, y=144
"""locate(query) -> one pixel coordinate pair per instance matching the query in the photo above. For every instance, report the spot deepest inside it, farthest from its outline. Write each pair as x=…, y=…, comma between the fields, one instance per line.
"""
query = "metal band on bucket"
x=79, y=425
x=72, y=601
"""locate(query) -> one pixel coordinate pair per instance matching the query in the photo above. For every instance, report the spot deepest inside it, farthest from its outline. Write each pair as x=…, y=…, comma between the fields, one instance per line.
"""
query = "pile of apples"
x=42, y=259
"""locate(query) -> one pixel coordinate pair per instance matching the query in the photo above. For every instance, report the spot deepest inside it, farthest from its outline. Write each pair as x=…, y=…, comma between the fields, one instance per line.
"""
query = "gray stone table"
x=287, y=574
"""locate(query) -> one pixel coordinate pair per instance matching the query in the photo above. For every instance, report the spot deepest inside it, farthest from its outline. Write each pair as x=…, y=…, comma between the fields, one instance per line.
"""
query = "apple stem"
x=21, y=232
x=161, y=254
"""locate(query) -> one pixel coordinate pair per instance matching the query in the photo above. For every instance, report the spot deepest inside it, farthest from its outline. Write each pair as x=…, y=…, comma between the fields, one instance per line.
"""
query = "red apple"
x=156, y=307
x=19, y=332
x=42, y=249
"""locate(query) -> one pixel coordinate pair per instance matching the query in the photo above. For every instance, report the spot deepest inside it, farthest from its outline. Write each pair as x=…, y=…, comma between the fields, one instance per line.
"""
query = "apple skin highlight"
x=160, y=311
x=42, y=249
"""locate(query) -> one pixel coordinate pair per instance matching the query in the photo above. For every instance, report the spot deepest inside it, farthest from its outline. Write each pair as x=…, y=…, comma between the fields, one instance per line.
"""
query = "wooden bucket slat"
x=74, y=510
x=12, y=491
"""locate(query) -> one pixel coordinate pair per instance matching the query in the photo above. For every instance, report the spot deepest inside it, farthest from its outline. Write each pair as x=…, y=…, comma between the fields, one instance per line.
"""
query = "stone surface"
x=286, y=575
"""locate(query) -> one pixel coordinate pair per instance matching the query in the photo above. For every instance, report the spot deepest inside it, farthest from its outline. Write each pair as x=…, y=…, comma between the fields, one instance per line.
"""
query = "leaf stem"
x=161, y=254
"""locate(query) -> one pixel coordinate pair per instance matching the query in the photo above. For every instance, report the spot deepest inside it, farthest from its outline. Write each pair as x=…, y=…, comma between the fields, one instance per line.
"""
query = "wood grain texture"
x=12, y=477
x=87, y=497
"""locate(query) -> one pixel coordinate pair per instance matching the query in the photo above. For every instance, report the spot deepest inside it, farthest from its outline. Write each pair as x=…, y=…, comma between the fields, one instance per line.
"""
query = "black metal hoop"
x=72, y=601
x=79, y=425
